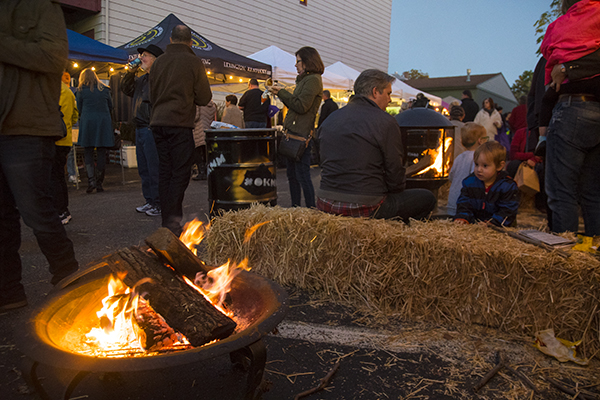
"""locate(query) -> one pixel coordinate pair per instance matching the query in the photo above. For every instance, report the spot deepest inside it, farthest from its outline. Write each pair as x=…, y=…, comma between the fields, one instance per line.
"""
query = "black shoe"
x=90, y=189
x=59, y=277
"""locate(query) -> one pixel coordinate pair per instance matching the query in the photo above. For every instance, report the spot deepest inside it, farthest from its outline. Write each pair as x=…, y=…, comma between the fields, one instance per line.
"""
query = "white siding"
x=354, y=32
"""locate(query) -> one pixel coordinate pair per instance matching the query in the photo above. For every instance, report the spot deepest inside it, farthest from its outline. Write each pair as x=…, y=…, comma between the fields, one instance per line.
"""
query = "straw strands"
x=434, y=271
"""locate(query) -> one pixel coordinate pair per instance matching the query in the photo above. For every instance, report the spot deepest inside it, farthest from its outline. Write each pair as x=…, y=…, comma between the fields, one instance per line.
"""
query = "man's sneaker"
x=154, y=212
x=6, y=305
x=74, y=179
x=144, y=208
x=65, y=217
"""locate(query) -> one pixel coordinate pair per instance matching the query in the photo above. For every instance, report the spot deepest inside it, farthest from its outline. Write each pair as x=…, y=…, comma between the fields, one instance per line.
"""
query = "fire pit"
x=58, y=372
x=428, y=148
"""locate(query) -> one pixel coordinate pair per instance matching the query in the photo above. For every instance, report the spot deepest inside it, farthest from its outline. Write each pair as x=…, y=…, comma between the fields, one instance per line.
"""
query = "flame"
x=193, y=233
x=125, y=313
x=120, y=321
x=250, y=231
x=438, y=165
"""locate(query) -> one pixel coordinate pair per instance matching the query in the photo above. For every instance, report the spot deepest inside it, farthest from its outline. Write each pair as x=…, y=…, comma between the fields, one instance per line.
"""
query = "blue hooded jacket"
x=499, y=206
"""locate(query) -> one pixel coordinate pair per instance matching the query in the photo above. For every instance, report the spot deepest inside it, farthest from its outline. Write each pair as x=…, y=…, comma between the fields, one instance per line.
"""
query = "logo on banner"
x=145, y=38
x=199, y=43
x=260, y=181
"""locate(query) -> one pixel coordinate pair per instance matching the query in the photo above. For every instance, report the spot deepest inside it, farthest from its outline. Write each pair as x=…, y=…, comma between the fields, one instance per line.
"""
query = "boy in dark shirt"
x=488, y=195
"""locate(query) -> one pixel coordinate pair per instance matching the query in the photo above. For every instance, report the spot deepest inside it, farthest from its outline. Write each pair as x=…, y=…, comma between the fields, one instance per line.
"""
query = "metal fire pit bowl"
x=259, y=302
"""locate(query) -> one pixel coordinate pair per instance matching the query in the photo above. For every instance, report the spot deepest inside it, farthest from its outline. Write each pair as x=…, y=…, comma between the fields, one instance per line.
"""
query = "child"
x=472, y=136
x=488, y=195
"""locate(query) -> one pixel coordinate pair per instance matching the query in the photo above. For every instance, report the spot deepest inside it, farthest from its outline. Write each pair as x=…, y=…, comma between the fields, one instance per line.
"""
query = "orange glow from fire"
x=193, y=233
x=119, y=332
x=438, y=165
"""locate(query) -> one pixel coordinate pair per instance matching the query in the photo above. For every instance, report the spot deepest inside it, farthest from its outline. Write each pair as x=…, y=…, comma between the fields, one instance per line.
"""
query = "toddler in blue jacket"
x=488, y=195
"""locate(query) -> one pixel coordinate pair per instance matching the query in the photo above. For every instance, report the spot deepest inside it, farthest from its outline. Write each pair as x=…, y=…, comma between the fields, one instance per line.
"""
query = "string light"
x=230, y=77
x=207, y=72
x=112, y=69
x=75, y=65
x=241, y=80
x=93, y=68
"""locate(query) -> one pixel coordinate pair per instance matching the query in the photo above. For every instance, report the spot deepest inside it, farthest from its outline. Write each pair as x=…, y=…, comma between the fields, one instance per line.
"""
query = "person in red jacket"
x=518, y=116
x=521, y=149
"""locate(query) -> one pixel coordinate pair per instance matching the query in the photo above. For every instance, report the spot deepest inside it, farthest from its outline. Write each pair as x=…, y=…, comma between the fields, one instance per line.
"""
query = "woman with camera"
x=303, y=105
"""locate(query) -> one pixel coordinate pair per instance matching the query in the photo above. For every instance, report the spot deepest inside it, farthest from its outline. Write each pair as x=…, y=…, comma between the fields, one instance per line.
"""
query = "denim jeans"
x=25, y=191
x=410, y=203
x=255, y=124
x=147, y=162
x=573, y=165
x=71, y=162
x=59, y=183
x=175, y=148
x=298, y=174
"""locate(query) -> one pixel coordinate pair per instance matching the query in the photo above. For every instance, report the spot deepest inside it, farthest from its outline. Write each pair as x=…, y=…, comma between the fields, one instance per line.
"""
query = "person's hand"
x=461, y=221
x=543, y=130
x=274, y=89
x=531, y=162
x=558, y=76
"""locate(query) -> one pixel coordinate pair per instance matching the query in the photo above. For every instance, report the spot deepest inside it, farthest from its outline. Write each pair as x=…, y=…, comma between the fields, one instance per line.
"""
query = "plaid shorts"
x=346, y=209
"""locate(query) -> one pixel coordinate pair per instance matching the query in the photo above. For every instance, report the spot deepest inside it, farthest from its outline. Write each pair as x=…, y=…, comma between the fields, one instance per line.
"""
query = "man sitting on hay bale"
x=362, y=161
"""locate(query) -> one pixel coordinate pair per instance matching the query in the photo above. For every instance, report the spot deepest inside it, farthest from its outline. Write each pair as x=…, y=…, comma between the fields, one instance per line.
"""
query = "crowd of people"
x=359, y=146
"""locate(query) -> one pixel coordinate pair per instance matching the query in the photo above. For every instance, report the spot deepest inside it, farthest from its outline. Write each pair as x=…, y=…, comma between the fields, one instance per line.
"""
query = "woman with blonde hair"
x=303, y=104
x=94, y=103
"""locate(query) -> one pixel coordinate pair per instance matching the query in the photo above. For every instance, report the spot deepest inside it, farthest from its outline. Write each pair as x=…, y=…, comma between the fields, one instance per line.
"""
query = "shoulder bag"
x=293, y=146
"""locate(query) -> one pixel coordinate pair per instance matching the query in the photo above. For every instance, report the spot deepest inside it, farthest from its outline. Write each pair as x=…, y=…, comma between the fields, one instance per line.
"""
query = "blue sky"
x=445, y=37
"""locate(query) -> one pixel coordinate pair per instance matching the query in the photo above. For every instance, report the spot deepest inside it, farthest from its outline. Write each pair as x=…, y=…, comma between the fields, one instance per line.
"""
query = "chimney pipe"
x=469, y=75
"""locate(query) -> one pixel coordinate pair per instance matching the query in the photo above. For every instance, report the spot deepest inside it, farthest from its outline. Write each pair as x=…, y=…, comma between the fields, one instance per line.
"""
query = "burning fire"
x=439, y=166
x=126, y=317
x=193, y=233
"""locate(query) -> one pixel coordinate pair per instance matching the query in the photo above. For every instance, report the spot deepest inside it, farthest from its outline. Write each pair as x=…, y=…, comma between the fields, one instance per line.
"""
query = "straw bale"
x=435, y=271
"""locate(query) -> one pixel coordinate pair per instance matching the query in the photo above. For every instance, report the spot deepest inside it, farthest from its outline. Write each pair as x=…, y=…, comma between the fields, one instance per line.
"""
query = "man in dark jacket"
x=177, y=84
x=327, y=108
x=145, y=147
x=362, y=163
x=33, y=55
x=471, y=108
x=255, y=108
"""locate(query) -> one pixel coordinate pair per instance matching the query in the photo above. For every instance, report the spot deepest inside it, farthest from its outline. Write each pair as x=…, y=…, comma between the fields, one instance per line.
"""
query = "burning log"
x=172, y=251
x=182, y=307
x=423, y=163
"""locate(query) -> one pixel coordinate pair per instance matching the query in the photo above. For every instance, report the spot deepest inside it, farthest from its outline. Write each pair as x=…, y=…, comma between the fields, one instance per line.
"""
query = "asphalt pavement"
x=313, y=338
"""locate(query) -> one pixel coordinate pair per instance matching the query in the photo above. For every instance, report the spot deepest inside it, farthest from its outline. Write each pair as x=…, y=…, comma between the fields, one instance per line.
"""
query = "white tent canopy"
x=399, y=88
x=284, y=69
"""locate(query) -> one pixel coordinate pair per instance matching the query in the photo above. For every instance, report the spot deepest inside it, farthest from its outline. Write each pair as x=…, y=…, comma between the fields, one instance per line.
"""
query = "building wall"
x=333, y=27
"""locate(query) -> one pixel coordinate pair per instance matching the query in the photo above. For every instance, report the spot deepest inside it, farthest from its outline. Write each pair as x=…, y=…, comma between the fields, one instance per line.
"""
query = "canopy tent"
x=284, y=69
x=83, y=48
x=217, y=60
x=399, y=88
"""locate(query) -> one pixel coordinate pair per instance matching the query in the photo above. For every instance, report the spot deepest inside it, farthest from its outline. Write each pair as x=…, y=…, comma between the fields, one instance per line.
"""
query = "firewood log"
x=182, y=307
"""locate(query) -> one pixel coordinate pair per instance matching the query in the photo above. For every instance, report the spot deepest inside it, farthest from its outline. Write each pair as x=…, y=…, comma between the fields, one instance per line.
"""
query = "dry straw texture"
x=436, y=271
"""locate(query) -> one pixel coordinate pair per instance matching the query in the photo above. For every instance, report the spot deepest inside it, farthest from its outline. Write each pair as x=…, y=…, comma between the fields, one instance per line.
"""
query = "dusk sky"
x=444, y=38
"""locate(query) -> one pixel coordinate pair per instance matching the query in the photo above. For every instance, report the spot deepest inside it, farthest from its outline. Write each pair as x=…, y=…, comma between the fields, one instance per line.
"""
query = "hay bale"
x=436, y=270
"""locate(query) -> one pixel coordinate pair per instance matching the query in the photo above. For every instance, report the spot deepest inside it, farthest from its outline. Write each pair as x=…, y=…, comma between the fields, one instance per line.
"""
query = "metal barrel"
x=241, y=168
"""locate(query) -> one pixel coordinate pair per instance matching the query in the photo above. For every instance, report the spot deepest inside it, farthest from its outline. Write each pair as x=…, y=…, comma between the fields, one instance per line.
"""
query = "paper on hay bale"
x=435, y=270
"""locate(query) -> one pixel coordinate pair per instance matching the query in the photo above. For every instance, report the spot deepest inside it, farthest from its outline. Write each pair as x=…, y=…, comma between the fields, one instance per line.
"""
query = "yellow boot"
x=584, y=243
